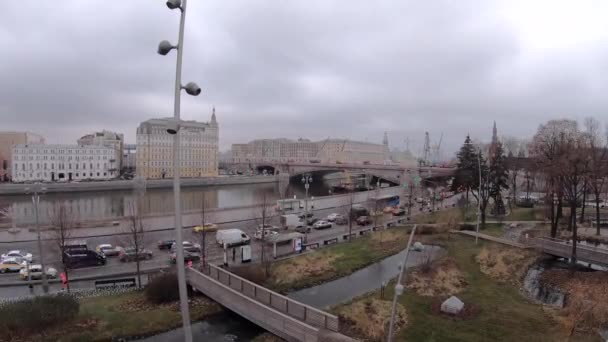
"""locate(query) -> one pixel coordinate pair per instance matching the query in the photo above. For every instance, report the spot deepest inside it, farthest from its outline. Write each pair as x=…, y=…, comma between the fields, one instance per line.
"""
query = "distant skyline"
x=313, y=69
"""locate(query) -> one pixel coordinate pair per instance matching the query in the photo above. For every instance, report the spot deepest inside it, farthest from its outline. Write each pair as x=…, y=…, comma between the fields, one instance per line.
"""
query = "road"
x=161, y=258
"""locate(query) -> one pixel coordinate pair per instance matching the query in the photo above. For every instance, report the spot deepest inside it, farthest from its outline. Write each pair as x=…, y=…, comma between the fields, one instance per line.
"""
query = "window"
x=97, y=174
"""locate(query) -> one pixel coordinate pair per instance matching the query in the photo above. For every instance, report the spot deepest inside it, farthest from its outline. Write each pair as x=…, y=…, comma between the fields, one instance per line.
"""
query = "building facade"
x=129, y=156
x=106, y=138
x=199, y=148
x=304, y=150
x=7, y=141
x=63, y=163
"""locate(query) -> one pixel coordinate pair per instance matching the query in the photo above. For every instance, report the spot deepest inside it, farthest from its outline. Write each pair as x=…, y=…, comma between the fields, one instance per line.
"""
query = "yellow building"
x=199, y=142
x=7, y=141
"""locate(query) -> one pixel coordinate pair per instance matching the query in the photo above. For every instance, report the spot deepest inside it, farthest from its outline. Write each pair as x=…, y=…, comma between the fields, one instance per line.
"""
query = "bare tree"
x=264, y=214
x=61, y=232
x=598, y=168
x=348, y=211
x=135, y=237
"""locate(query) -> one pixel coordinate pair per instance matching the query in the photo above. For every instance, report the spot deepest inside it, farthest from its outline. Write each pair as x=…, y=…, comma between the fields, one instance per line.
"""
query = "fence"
x=303, y=312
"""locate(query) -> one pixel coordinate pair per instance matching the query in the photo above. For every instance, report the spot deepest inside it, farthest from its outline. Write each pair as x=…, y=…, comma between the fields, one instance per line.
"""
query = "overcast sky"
x=306, y=68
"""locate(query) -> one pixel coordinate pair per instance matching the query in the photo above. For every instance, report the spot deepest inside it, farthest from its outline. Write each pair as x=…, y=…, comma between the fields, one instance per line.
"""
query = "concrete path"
x=490, y=238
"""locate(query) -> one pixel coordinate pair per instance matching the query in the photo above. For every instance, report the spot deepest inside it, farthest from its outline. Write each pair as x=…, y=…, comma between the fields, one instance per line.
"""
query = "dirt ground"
x=508, y=264
x=440, y=279
x=368, y=319
x=305, y=266
x=587, y=297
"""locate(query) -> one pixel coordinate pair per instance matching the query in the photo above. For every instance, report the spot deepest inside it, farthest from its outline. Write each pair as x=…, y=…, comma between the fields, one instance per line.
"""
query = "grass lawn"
x=445, y=215
x=336, y=261
x=106, y=317
x=493, y=229
x=527, y=214
x=503, y=313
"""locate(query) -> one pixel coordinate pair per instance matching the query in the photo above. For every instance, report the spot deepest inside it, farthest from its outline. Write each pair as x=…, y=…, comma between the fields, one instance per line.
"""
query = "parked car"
x=188, y=246
x=232, y=237
x=363, y=220
x=358, y=210
x=107, y=249
x=398, y=212
x=188, y=256
x=321, y=225
x=267, y=233
x=312, y=221
x=23, y=255
x=332, y=217
x=82, y=258
x=165, y=244
x=130, y=254
x=308, y=214
x=207, y=227
x=341, y=220
x=303, y=229
x=36, y=272
x=12, y=265
x=267, y=227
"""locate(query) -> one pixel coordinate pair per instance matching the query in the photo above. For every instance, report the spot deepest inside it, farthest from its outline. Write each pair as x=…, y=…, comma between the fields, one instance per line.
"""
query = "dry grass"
x=587, y=305
x=306, y=266
x=507, y=264
x=443, y=279
x=368, y=319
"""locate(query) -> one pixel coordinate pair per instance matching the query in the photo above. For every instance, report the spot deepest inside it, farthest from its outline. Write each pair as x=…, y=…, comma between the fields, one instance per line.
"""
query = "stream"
x=229, y=326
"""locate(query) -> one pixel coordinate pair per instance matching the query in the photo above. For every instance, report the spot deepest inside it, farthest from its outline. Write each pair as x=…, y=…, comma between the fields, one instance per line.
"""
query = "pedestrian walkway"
x=490, y=238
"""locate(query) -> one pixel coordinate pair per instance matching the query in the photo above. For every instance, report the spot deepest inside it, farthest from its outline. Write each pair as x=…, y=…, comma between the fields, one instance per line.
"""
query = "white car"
x=18, y=254
x=12, y=265
x=36, y=272
x=332, y=217
x=321, y=225
x=267, y=233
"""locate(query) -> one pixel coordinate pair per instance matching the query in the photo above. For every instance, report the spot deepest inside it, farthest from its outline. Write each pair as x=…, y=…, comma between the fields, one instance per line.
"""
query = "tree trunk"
x=553, y=219
x=67, y=278
x=584, y=201
x=574, y=231
x=483, y=214
x=560, y=207
x=138, y=272
x=597, y=211
x=572, y=215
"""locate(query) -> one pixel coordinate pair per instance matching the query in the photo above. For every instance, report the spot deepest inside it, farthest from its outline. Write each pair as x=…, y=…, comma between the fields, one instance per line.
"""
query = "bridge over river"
x=284, y=317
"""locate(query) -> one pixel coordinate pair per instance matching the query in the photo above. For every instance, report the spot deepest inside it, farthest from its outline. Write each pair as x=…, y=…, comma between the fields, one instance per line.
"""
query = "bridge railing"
x=563, y=248
x=303, y=312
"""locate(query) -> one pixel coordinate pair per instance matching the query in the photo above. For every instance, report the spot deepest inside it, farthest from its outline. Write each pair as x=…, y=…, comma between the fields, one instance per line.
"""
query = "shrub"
x=162, y=289
x=37, y=313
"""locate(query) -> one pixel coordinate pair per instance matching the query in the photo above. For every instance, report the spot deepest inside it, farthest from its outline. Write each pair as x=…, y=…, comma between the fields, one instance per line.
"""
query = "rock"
x=452, y=306
x=513, y=225
x=418, y=246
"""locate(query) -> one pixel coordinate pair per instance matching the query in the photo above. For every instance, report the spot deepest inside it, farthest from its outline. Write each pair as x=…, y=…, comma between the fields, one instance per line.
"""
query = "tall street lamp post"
x=173, y=128
x=36, y=190
x=306, y=180
x=479, y=201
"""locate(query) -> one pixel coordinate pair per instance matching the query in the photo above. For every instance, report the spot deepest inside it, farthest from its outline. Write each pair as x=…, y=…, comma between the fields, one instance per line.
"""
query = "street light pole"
x=479, y=199
x=173, y=128
x=36, y=190
x=306, y=179
x=399, y=286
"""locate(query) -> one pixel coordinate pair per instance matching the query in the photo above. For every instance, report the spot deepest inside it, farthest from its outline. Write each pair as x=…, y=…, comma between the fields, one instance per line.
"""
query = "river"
x=106, y=205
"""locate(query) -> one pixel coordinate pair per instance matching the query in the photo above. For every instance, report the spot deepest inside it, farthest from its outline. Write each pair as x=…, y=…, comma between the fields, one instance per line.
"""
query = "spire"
x=494, y=135
x=213, y=116
x=385, y=139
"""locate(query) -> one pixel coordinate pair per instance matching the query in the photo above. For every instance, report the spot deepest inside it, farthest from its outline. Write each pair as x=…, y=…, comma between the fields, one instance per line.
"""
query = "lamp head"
x=172, y=127
x=192, y=89
x=164, y=47
x=173, y=4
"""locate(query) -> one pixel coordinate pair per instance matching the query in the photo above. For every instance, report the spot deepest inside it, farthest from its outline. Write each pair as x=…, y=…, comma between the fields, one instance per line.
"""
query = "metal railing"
x=564, y=249
x=303, y=312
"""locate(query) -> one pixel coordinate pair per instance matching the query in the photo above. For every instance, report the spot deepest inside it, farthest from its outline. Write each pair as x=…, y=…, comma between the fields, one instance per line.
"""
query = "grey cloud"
x=293, y=69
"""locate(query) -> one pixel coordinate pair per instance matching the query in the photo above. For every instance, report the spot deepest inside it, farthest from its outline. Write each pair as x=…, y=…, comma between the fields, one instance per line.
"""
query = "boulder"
x=417, y=246
x=452, y=306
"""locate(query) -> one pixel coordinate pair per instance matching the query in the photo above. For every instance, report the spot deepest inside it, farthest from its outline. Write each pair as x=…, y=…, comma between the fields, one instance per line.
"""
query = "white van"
x=231, y=237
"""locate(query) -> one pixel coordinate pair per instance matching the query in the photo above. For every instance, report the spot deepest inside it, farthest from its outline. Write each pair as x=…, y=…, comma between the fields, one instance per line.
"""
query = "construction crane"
x=426, y=150
x=437, y=150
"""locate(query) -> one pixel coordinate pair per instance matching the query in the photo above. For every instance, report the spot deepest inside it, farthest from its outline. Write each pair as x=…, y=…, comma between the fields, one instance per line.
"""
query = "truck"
x=291, y=221
x=232, y=237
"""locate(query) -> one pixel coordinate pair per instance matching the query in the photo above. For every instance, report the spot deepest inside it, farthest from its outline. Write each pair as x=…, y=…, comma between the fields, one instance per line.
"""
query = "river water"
x=105, y=205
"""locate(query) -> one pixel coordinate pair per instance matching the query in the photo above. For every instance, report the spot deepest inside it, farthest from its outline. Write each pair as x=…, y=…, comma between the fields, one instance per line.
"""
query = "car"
x=165, y=244
x=267, y=233
x=188, y=256
x=321, y=225
x=376, y=213
x=363, y=220
x=267, y=226
x=23, y=255
x=341, y=220
x=312, y=221
x=36, y=272
x=188, y=246
x=308, y=214
x=398, y=212
x=302, y=229
x=129, y=254
x=207, y=227
x=12, y=265
x=332, y=217
x=107, y=249
x=73, y=258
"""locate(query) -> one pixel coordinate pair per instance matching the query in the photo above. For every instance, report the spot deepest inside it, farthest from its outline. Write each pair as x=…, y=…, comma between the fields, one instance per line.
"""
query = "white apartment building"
x=63, y=163
x=7, y=141
x=106, y=138
x=199, y=149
